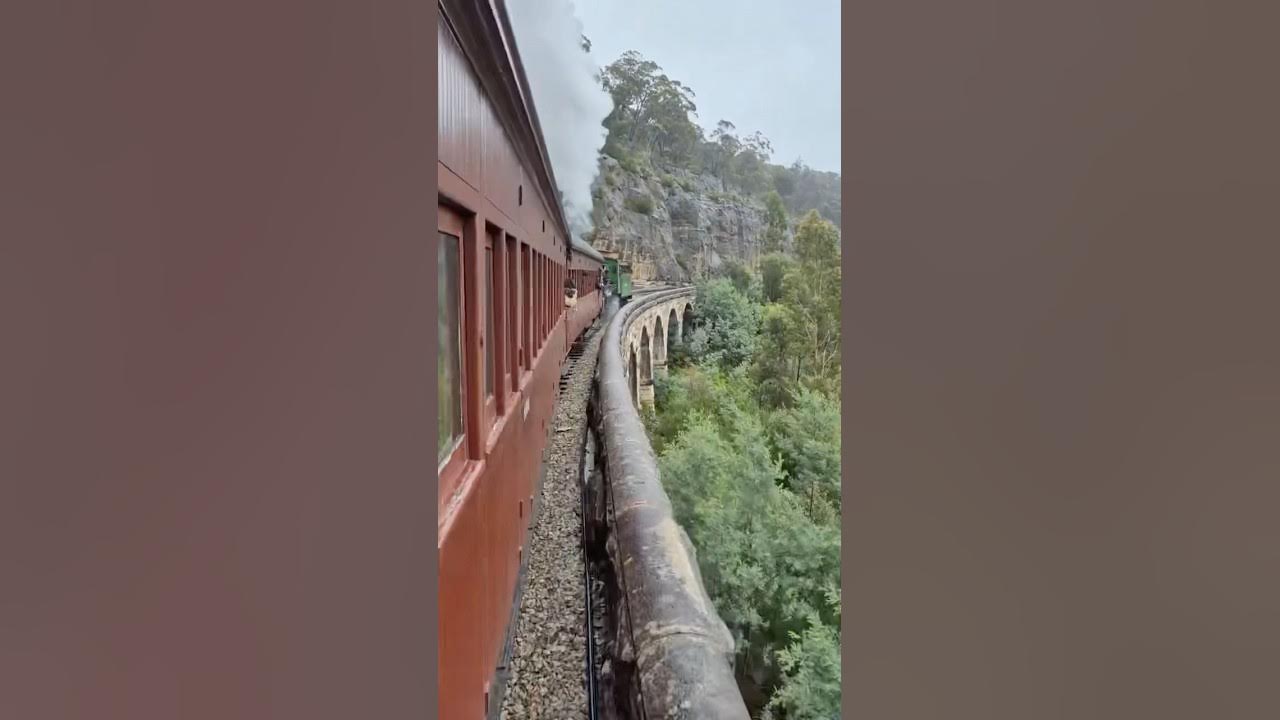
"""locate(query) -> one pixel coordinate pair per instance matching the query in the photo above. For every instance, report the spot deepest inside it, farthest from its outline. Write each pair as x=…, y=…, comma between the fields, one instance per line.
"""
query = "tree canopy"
x=655, y=120
x=747, y=431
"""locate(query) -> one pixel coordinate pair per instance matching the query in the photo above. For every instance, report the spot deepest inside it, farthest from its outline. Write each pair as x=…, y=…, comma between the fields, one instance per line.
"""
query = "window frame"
x=527, y=297
x=514, y=360
x=450, y=470
x=488, y=348
x=540, y=280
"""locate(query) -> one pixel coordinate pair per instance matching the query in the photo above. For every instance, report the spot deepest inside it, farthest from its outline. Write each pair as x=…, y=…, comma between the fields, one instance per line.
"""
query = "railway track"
x=556, y=660
x=551, y=662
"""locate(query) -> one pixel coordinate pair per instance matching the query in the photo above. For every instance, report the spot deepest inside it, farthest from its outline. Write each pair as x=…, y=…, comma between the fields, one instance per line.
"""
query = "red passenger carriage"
x=504, y=331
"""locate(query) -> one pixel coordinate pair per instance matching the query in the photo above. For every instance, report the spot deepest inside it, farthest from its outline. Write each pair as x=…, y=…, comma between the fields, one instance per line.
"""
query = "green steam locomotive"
x=618, y=275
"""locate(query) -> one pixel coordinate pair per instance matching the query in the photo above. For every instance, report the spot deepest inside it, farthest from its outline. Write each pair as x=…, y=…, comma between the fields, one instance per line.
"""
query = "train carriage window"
x=526, y=294
x=513, y=312
x=501, y=321
x=449, y=364
x=531, y=293
x=535, y=303
x=490, y=337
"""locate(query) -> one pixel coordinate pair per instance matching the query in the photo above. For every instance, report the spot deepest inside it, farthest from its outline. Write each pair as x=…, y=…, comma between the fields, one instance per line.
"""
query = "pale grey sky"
x=767, y=66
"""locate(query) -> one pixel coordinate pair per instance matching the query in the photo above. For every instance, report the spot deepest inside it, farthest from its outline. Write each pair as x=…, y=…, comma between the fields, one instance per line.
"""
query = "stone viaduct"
x=651, y=332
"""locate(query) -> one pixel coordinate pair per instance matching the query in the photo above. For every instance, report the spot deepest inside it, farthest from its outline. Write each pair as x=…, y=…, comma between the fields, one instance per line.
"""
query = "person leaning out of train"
x=570, y=294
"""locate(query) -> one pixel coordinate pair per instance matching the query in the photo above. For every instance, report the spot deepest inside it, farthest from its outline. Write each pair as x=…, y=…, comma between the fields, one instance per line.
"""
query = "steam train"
x=516, y=290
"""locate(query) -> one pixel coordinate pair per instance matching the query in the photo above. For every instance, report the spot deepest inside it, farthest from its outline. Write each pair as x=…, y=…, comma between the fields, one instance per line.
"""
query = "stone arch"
x=659, y=341
x=686, y=318
x=646, y=357
x=631, y=377
x=674, y=335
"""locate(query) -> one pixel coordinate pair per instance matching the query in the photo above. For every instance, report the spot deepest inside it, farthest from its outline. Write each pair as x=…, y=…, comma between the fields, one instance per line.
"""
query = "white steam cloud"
x=570, y=102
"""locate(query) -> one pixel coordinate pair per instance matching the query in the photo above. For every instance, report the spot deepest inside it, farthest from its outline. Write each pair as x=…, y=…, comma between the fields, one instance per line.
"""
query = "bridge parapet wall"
x=675, y=653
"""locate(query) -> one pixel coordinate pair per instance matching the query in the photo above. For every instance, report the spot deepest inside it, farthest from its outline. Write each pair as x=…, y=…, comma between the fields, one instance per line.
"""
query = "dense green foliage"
x=747, y=431
x=728, y=324
x=773, y=268
x=804, y=189
x=807, y=437
x=802, y=329
x=775, y=234
x=740, y=275
x=812, y=667
x=653, y=128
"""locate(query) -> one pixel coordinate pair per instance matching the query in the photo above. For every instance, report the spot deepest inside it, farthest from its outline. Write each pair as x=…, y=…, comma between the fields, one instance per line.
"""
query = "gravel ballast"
x=548, y=656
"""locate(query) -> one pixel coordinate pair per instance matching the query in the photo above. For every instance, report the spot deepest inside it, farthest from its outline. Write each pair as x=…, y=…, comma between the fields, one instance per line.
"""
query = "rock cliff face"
x=673, y=225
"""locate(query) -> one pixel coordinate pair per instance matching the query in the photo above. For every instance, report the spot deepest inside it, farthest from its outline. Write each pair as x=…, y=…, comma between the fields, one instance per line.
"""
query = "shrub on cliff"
x=642, y=205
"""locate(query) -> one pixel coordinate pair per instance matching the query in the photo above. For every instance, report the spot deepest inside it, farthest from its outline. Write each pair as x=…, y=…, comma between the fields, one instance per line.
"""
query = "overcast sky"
x=767, y=66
